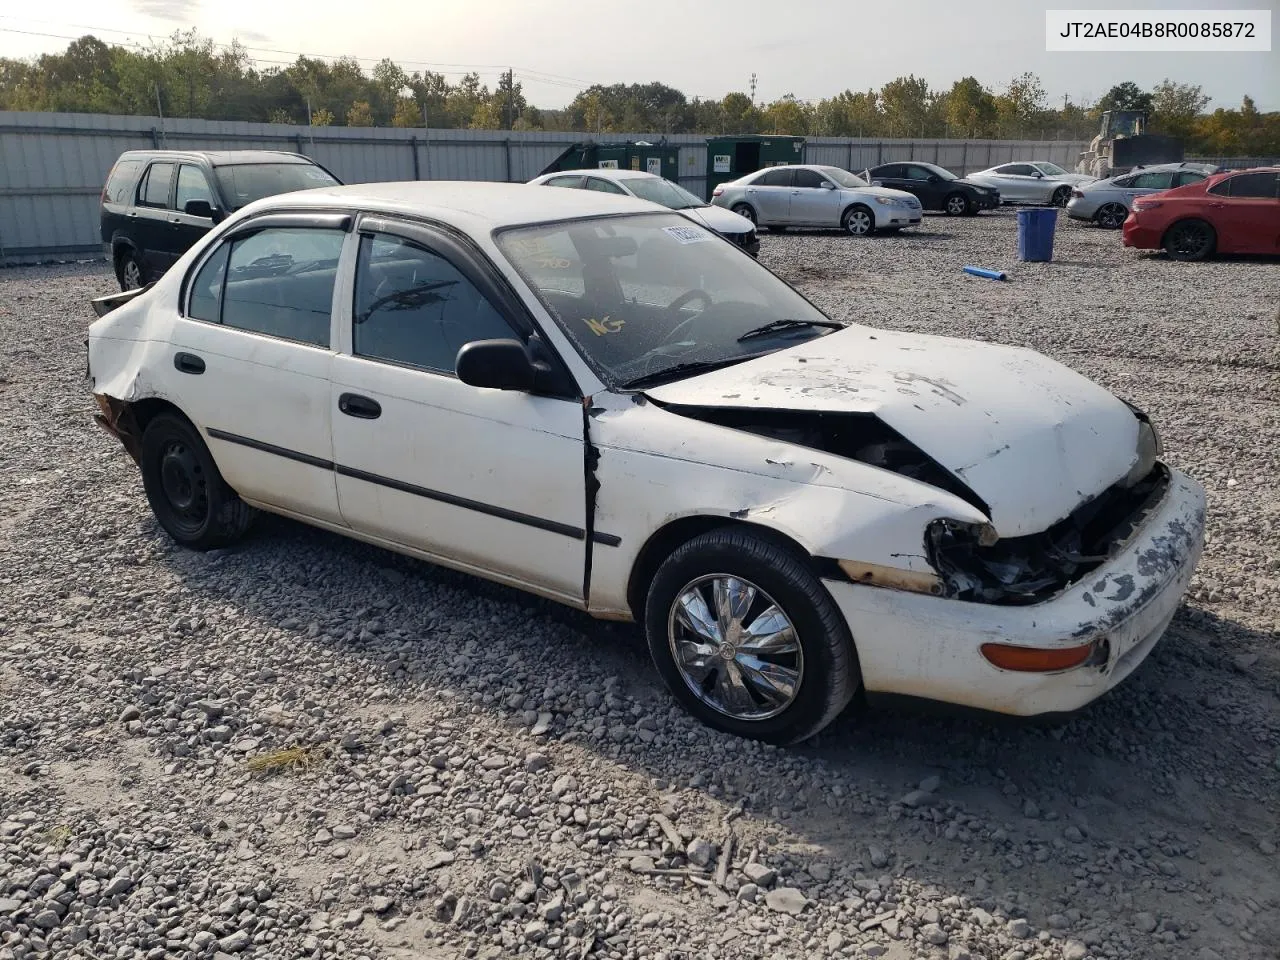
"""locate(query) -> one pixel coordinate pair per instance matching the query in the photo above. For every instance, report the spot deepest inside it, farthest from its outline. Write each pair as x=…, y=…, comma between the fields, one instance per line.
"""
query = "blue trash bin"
x=1035, y=233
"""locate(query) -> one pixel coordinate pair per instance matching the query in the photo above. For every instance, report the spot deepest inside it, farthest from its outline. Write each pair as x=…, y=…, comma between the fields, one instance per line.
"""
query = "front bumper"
x=750, y=241
x=1081, y=209
x=987, y=201
x=898, y=216
x=925, y=646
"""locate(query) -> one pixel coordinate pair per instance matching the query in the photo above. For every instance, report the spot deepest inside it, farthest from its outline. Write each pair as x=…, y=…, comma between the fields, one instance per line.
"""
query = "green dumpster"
x=655, y=158
x=729, y=158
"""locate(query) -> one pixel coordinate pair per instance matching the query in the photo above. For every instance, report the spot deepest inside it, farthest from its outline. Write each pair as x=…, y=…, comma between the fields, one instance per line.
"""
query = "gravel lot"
x=483, y=774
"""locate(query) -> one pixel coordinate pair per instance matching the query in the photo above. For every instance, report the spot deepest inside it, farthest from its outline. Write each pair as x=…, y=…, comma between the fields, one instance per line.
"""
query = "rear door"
x=770, y=194
x=185, y=228
x=151, y=217
x=251, y=359
x=890, y=175
x=1245, y=211
x=813, y=204
x=1141, y=184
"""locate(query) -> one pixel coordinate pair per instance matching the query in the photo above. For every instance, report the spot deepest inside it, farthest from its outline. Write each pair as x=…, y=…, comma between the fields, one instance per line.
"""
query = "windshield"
x=1051, y=169
x=664, y=192
x=243, y=183
x=843, y=177
x=643, y=295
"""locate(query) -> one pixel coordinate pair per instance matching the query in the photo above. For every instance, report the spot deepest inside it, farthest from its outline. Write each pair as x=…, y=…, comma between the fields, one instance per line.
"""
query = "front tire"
x=747, y=639
x=187, y=494
x=859, y=221
x=1189, y=240
x=955, y=205
x=1061, y=197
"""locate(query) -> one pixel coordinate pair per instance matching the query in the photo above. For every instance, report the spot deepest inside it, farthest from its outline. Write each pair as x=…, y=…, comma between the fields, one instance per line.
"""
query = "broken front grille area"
x=1031, y=569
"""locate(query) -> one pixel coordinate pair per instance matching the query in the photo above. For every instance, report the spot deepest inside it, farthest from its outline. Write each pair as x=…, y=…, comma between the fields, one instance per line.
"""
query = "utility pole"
x=160, y=112
x=753, y=89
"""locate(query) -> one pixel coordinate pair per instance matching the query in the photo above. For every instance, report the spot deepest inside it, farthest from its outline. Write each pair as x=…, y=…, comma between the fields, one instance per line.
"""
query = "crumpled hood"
x=1028, y=435
x=719, y=219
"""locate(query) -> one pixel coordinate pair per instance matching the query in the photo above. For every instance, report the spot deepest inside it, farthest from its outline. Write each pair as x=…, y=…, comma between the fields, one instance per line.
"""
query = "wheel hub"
x=735, y=648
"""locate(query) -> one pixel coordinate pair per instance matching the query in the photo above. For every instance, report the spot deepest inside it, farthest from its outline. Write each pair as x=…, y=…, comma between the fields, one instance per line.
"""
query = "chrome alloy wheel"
x=735, y=648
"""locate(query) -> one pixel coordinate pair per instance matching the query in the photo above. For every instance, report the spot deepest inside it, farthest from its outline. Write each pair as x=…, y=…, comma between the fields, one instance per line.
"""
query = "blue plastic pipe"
x=989, y=274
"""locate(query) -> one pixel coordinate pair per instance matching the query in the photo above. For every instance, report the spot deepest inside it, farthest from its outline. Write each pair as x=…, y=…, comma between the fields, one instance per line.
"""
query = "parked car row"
x=588, y=397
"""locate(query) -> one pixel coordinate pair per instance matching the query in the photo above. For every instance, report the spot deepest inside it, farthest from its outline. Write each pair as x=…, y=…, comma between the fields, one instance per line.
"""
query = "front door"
x=251, y=361
x=1247, y=218
x=812, y=203
x=925, y=185
x=487, y=480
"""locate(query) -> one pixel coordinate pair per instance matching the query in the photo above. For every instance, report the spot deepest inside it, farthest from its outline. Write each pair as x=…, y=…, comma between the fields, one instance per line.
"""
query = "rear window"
x=243, y=183
x=121, y=181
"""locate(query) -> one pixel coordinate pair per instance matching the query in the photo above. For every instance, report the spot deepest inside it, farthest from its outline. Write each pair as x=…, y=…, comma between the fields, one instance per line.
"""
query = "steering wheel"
x=676, y=305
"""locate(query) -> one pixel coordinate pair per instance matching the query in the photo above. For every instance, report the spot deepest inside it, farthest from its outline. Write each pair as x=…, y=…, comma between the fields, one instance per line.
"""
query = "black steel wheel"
x=187, y=493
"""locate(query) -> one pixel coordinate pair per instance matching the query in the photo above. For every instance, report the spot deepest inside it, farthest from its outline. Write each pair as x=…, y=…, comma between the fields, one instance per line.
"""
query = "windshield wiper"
x=689, y=366
x=787, y=323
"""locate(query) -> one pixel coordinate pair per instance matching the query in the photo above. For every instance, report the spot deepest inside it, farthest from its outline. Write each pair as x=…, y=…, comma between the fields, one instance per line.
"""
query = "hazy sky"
x=810, y=48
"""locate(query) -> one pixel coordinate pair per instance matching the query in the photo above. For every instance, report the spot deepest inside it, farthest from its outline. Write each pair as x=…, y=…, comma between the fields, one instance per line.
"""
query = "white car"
x=800, y=195
x=659, y=190
x=1037, y=181
x=601, y=403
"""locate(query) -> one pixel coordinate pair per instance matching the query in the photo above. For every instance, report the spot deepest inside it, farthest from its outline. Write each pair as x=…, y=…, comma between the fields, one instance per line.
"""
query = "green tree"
x=360, y=114
x=904, y=102
x=848, y=114
x=1175, y=107
x=406, y=113
x=322, y=118
x=788, y=116
x=1124, y=96
x=1020, y=107
x=970, y=109
x=739, y=114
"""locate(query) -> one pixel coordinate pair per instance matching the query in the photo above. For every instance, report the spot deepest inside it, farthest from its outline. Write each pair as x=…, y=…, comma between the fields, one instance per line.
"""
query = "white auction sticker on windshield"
x=689, y=234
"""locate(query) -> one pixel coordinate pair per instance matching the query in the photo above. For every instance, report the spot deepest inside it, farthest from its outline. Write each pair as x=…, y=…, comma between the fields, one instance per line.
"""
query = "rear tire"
x=1111, y=216
x=187, y=494
x=745, y=210
x=859, y=221
x=786, y=665
x=1189, y=240
x=129, y=270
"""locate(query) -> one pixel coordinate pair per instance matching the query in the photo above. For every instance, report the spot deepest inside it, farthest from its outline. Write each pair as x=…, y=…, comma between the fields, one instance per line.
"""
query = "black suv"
x=936, y=187
x=158, y=203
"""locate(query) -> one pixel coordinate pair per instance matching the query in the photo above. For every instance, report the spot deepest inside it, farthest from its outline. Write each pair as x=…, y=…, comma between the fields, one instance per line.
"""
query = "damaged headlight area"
x=1025, y=570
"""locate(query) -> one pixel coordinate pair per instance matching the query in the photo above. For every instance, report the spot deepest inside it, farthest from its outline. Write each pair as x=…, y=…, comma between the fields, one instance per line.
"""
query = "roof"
x=220, y=158
x=477, y=207
x=609, y=173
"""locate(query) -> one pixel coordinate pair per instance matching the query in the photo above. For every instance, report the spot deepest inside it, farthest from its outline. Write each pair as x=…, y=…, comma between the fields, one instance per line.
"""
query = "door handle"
x=354, y=405
x=174, y=220
x=188, y=363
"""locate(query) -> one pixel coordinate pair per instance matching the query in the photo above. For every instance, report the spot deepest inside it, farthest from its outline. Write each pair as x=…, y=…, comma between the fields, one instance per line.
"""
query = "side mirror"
x=934, y=178
x=827, y=185
x=1038, y=175
x=496, y=364
x=198, y=208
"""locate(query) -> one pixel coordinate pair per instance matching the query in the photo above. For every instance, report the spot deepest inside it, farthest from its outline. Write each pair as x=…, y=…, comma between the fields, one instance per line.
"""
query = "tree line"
x=191, y=76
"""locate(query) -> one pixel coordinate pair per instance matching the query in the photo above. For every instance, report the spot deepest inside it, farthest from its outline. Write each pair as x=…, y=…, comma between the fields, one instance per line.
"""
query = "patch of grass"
x=278, y=761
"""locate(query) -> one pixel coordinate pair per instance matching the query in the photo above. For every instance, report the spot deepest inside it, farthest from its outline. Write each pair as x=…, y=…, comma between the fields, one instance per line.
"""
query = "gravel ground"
x=454, y=769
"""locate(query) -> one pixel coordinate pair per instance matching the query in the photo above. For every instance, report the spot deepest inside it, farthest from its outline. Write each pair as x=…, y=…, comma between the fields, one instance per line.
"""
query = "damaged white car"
x=593, y=399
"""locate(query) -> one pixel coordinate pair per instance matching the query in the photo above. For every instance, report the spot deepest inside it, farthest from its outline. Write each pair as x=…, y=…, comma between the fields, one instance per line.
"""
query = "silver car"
x=1108, y=202
x=795, y=195
x=655, y=189
x=1034, y=181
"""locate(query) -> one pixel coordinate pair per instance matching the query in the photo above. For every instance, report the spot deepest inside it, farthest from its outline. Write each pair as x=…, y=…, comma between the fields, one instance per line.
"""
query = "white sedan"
x=655, y=189
x=591, y=398
x=1037, y=181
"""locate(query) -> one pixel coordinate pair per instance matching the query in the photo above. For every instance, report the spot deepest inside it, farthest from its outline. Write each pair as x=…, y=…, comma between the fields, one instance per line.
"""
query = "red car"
x=1233, y=212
